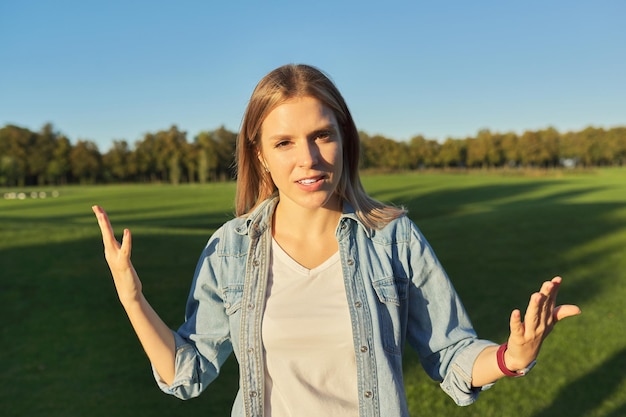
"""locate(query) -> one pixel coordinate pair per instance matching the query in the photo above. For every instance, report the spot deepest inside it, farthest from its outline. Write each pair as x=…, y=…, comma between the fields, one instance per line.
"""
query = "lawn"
x=68, y=350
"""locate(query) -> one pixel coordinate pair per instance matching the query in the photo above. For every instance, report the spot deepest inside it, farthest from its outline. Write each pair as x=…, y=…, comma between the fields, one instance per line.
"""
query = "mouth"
x=310, y=180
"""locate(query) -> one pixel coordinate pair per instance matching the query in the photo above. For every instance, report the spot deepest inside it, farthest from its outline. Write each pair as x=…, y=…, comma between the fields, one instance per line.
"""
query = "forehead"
x=296, y=115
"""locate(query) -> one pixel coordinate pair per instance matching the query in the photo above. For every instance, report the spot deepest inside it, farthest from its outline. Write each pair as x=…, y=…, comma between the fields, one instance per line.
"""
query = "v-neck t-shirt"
x=310, y=364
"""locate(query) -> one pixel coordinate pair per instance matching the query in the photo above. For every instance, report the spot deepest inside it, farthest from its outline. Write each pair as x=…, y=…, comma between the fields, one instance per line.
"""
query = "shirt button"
x=227, y=305
x=250, y=350
x=363, y=349
x=256, y=262
x=358, y=304
x=350, y=262
x=343, y=226
x=252, y=394
x=251, y=306
x=368, y=394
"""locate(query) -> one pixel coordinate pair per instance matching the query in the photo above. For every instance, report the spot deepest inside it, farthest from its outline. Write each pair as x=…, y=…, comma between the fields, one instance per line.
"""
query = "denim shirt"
x=396, y=290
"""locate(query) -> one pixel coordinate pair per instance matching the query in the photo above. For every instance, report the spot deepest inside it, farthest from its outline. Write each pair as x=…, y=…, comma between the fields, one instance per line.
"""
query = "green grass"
x=68, y=350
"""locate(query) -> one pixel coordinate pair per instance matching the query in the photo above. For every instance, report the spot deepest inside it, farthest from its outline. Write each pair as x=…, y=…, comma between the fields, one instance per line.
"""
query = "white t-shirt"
x=310, y=365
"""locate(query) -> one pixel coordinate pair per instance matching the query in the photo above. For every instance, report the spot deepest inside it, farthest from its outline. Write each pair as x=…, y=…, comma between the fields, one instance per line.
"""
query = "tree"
x=495, y=154
x=383, y=153
x=85, y=161
x=40, y=153
x=172, y=143
x=145, y=158
x=616, y=141
x=9, y=170
x=452, y=153
x=190, y=160
x=476, y=152
x=59, y=168
x=549, y=143
x=530, y=149
x=485, y=150
x=207, y=157
x=115, y=163
x=598, y=148
x=422, y=152
x=225, y=144
x=14, y=148
x=510, y=149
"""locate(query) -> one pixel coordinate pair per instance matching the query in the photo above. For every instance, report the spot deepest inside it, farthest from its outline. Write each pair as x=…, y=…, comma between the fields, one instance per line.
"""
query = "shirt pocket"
x=233, y=294
x=391, y=294
x=390, y=289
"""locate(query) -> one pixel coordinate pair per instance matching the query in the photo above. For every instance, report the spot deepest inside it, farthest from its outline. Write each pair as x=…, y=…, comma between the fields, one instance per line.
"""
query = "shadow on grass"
x=129, y=218
x=505, y=248
x=577, y=399
x=69, y=350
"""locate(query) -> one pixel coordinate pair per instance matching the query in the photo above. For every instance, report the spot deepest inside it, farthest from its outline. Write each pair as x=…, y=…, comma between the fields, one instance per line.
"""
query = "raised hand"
x=154, y=335
x=541, y=316
x=117, y=255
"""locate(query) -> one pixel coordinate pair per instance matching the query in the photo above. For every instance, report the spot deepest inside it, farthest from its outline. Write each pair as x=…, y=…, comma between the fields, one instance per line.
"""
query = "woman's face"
x=301, y=146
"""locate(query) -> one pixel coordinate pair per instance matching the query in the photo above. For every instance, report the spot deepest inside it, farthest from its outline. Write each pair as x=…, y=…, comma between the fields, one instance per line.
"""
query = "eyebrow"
x=327, y=127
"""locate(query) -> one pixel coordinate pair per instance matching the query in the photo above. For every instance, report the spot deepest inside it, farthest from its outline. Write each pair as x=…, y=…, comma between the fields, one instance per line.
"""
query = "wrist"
x=510, y=368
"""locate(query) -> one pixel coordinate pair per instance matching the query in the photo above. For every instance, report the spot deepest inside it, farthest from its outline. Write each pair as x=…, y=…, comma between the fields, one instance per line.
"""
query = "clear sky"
x=112, y=70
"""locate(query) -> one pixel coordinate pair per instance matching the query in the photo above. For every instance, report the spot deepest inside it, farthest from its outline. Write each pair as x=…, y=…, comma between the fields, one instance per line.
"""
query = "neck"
x=299, y=221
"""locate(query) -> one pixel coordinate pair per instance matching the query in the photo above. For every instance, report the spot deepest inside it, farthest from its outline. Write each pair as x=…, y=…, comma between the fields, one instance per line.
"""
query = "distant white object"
x=32, y=194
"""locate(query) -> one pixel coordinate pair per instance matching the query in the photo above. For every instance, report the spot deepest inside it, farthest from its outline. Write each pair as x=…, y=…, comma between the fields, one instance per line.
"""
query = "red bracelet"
x=500, y=357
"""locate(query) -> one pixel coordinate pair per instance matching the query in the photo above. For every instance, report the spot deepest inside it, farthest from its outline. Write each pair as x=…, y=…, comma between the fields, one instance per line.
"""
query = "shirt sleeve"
x=203, y=340
x=439, y=328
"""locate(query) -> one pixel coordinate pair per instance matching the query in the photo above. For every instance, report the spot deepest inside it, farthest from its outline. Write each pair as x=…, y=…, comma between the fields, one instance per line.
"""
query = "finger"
x=549, y=290
x=515, y=323
x=532, y=318
x=566, y=310
x=552, y=288
x=556, y=284
x=106, y=229
x=126, y=243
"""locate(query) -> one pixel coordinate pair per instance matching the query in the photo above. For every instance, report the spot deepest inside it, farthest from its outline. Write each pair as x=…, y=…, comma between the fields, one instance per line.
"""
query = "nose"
x=308, y=155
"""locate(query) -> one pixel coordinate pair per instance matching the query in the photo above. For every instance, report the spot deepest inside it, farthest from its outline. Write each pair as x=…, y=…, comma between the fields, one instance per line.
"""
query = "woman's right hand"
x=154, y=335
x=117, y=255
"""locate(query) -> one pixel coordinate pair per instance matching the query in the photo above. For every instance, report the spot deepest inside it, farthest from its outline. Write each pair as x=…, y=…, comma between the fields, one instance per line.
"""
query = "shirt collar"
x=259, y=219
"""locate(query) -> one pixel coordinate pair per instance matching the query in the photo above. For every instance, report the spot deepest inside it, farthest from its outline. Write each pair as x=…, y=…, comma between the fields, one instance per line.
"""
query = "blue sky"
x=115, y=70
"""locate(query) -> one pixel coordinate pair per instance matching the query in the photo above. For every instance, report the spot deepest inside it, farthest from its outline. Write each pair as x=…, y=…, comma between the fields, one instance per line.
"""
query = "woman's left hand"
x=541, y=316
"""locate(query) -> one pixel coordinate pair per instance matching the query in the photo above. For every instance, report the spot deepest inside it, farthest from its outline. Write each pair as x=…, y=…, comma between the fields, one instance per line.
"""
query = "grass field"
x=67, y=348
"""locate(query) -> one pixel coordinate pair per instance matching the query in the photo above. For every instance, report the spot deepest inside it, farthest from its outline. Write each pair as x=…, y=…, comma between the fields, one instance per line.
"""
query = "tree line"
x=48, y=157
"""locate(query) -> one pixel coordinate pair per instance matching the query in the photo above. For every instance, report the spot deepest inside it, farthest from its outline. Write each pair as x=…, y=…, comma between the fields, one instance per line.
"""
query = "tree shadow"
x=590, y=391
x=63, y=326
x=68, y=348
x=504, y=248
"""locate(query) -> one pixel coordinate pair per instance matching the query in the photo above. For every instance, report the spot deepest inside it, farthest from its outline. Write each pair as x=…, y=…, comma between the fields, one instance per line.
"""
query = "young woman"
x=315, y=286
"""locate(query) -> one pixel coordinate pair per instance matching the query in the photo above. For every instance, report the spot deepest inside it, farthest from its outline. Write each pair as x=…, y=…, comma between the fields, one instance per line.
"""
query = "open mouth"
x=309, y=181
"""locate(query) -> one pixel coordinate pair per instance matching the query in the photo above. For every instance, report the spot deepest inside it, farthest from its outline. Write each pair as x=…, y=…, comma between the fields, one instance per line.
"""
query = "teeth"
x=306, y=181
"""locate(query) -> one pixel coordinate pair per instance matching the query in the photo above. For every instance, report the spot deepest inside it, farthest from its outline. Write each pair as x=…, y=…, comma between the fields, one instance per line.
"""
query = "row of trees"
x=49, y=157
x=545, y=148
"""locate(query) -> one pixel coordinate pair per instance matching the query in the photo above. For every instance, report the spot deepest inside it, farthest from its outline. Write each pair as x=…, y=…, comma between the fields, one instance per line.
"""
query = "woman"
x=315, y=286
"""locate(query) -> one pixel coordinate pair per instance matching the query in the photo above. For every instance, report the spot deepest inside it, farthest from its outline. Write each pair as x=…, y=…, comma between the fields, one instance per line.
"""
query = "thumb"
x=126, y=243
x=566, y=310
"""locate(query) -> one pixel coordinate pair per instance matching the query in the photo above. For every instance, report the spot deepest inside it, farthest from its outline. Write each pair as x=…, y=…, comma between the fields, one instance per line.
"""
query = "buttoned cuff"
x=458, y=381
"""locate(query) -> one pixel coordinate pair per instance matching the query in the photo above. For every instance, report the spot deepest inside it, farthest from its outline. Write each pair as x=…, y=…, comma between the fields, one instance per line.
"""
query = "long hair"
x=254, y=184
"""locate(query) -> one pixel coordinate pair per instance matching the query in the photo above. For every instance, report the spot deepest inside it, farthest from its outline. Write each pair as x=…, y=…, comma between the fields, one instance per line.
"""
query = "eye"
x=282, y=144
x=323, y=135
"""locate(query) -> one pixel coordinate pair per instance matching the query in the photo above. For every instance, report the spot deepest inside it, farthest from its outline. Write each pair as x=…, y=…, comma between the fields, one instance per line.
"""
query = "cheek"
x=279, y=167
x=336, y=158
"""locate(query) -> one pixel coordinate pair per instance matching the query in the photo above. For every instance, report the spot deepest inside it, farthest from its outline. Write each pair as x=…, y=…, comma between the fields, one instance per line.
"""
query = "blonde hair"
x=254, y=184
